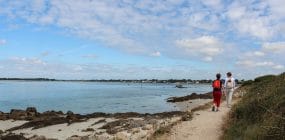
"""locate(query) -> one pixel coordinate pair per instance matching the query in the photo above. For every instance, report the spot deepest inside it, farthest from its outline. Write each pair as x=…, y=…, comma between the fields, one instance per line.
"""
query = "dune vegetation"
x=260, y=113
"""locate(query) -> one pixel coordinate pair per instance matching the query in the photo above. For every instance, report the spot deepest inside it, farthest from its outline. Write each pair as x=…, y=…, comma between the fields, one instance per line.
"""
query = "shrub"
x=261, y=112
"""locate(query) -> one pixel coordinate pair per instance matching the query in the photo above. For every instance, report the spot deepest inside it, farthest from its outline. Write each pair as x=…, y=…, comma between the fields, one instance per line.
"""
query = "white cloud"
x=258, y=53
x=28, y=61
x=254, y=64
x=205, y=47
x=263, y=60
x=45, y=53
x=253, y=19
x=126, y=25
x=173, y=28
x=93, y=56
x=208, y=58
x=264, y=64
x=236, y=12
x=34, y=67
x=274, y=47
x=281, y=67
x=257, y=27
x=204, y=20
x=78, y=68
x=277, y=7
x=216, y=4
x=3, y=41
x=156, y=54
x=255, y=54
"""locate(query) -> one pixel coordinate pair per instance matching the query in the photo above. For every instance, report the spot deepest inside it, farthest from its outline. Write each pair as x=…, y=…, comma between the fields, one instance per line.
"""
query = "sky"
x=138, y=39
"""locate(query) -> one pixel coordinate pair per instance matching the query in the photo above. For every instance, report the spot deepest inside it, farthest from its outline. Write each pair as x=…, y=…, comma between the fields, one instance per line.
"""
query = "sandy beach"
x=31, y=124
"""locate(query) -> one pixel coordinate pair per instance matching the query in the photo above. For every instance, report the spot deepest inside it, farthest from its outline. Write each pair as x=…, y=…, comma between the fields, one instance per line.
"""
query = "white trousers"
x=229, y=96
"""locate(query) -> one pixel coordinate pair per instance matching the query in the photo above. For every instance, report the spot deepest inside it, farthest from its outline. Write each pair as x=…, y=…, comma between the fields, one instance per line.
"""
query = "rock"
x=88, y=130
x=147, y=127
x=150, y=132
x=13, y=137
x=151, y=121
x=190, y=97
x=1, y=131
x=104, y=137
x=69, y=113
x=18, y=114
x=3, y=116
x=27, y=114
x=186, y=117
x=36, y=137
x=143, y=135
x=85, y=138
x=52, y=113
x=71, y=117
x=75, y=137
x=31, y=111
x=121, y=136
x=100, y=121
x=135, y=130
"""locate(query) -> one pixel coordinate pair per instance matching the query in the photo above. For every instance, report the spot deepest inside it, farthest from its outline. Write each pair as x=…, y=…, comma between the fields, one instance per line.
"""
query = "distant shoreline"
x=114, y=80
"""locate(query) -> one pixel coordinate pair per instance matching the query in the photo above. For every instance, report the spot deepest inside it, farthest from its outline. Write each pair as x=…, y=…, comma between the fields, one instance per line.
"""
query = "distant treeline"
x=122, y=80
x=29, y=79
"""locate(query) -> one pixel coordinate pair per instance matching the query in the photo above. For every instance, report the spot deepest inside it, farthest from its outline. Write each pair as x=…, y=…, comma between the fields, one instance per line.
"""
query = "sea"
x=90, y=97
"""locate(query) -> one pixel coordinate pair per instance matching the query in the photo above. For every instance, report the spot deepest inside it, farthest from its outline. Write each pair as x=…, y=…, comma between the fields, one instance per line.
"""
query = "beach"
x=31, y=124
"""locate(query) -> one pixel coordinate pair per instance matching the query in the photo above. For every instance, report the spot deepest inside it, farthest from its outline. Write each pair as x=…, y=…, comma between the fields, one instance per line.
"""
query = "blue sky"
x=133, y=39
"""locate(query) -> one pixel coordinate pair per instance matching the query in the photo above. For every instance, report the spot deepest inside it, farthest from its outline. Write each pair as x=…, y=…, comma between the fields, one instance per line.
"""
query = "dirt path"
x=205, y=125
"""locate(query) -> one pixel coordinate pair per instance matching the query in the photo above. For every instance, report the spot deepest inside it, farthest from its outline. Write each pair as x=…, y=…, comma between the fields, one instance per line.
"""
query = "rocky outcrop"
x=36, y=137
x=18, y=114
x=38, y=120
x=190, y=97
x=13, y=137
x=3, y=116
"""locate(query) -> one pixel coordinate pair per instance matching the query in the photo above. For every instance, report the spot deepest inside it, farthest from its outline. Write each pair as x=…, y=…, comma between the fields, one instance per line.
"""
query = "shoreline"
x=31, y=124
x=162, y=81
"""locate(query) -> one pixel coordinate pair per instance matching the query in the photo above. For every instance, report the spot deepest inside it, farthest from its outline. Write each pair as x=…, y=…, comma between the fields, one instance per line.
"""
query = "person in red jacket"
x=217, y=92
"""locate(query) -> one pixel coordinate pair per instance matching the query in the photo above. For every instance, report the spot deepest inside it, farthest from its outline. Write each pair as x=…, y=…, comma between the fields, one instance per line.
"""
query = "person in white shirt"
x=229, y=88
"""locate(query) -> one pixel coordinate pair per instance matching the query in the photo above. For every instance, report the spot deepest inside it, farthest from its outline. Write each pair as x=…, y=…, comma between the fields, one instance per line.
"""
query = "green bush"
x=263, y=78
x=261, y=112
x=248, y=82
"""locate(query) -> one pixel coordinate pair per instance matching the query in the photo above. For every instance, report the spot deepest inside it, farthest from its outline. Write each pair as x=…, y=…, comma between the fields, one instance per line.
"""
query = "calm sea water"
x=89, y=97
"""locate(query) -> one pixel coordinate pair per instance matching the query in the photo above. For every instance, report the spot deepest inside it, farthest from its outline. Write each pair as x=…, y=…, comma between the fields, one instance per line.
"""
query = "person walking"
x=217, y=92
x=229, y=88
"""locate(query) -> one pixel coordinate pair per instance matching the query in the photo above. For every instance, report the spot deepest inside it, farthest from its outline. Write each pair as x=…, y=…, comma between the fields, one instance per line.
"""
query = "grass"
x=260, y=114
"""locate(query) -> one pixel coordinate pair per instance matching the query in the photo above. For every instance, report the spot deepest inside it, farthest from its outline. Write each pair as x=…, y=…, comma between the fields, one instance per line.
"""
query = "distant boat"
x=179, y=85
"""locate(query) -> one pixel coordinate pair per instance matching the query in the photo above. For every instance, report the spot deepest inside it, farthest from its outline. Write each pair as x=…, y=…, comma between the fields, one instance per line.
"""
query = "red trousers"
x=217, y=97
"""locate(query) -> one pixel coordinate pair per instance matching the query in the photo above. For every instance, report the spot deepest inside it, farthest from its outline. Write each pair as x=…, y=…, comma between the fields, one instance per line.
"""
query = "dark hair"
x=229, y=74
x=218, y=75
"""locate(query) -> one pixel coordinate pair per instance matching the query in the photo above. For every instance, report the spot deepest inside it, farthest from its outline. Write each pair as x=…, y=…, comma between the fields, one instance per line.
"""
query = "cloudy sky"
x=134, y=39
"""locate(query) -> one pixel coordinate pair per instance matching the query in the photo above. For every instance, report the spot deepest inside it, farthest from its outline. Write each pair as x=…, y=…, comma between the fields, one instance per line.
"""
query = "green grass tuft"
x=260, y=114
